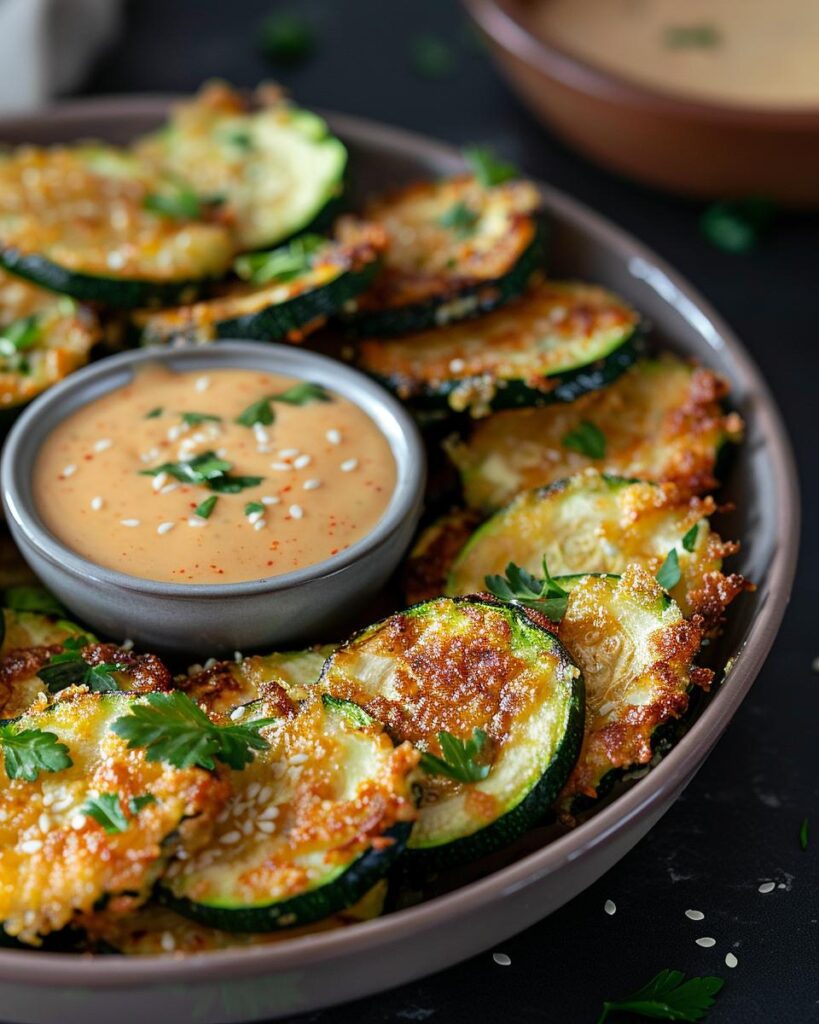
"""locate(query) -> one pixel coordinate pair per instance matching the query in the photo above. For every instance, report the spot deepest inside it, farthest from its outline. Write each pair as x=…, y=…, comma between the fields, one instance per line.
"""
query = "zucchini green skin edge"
x=278, y=321
x=120, y=293
x=327, y=899
x=488, y=295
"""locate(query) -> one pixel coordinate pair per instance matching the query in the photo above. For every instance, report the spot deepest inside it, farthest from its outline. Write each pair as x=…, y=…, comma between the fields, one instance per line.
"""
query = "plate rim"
x=640, y=801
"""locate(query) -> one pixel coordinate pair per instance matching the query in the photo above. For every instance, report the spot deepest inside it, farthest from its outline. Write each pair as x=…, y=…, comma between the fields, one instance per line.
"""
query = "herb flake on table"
x=518, y=586
x=286, y=38
x=432, y=57
x=668, y=996
x=586, y=438
x=106, y=810
x=33, y=599
x=460, y=758
x=28, y=752
x=804, y=836
x=488, y=168
x=702, y=36
x=170, y=727
x=736, y=226
x=669, y=574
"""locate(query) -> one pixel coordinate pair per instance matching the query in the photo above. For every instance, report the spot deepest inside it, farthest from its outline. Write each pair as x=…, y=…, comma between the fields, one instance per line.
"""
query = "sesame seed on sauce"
x=103, y=444
x=302, y=461
x=254, y=517
x=311, y=485
x=281, y=466
x=270, y=499
x=97, y=503
x=168, y=488
x=333, y=436
x=349, y=465
x=129, y=522
x=159, y=481
x=164, y=528
x=202, y=383
x=296, y=511
x=69, y=470
x=288, y=453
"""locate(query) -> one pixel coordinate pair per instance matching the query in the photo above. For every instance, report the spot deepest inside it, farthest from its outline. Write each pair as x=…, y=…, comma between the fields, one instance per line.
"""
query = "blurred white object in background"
x=48, y=46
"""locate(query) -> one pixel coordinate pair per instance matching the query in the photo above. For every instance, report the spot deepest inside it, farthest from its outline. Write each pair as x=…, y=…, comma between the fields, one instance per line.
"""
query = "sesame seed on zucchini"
x=552, y=344
x=491, y=699
x=313, y=822
x=88, y=821
x=661, y=420
x=43, y=338
x=286, y=293
x=596, y=523
x=456, y=249
x=277, y=169
x=91, y=222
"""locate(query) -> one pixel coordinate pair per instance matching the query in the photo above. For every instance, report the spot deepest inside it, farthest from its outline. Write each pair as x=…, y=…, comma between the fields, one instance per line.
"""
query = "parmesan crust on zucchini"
x=56, y=860
x=456, y=249
x=662, y=421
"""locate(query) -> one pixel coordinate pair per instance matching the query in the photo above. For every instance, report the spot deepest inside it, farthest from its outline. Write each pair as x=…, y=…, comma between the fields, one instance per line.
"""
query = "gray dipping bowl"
x=309, y=604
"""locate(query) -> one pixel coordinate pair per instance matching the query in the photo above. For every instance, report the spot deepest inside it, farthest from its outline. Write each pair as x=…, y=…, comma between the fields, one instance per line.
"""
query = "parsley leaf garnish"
x=204, y=508
x=736, y=226
x=488, y=169
x=20, y=335
x=107, y=811
x=180, y=204
x=33, y=599
x=803, y=834
x=282, y=264
x=669, y=575
x=689, y=541
x=302, y=394
x=136, y=803
x=70, y=669
x=193, y=419
x=586, y=438
x=154, y=413
x=459, y=760
x=253, y=506
x=172, y=728
x=286, y=38
x=460, y=218
x=668, y=996
x=692, y=37
x=258, y=412
x=208, y=470
x=30, y=751
x=431, y=57
x=521, y=587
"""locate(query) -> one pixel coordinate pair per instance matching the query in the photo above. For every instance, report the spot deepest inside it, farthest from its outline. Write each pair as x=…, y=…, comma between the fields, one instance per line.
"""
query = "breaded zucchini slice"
x=662, y=420
x=23, y=629
x=435, y=674
x=635, y=650
x=155, y=930
x=289, y=293
x=56, y=860
x=312, y=824
x=225, y=685
x=456, y=249
x=43, y=338
x=430, y=560
x=31, y=674
x=552, y=344
x=80, y=220
x=276, y=168
x=597, y=523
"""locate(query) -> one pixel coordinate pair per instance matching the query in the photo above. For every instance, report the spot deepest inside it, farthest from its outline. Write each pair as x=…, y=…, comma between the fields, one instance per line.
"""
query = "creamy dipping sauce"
x=747, y=52
x=264, y=499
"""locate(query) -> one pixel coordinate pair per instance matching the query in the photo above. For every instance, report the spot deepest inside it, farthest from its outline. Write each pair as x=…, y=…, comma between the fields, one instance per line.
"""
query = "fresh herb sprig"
x=70, y=669
x=204, y=509
x=586, y=438
x=489, y=169
x=261, y=411
x=669, y=574
x=689, y=541
x=27, y=752
x=460, y=758
x=282, y=264
x=33, y=599
x=286, y=38
x=170, y=727
x=207, y=470
x=195, y=419
x=107, y=811
x=519, y=586
x=668, y=996
x=460, y=219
